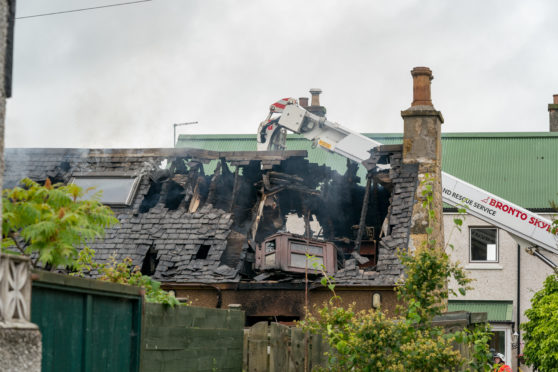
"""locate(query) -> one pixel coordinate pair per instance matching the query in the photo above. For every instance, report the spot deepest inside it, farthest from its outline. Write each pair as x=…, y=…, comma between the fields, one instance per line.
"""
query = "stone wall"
x=20, y=340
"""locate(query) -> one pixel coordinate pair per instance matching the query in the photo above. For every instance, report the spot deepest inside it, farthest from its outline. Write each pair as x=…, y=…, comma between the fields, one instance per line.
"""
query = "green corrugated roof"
x=497, y=311
x=520, y=167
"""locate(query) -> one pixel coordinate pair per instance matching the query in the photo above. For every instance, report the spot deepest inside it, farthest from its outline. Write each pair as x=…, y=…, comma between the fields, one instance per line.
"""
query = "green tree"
x=541, y=331
x=51, y=222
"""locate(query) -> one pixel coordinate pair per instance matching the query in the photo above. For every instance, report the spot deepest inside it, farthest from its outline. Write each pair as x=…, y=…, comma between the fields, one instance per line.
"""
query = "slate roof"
x=177, y=234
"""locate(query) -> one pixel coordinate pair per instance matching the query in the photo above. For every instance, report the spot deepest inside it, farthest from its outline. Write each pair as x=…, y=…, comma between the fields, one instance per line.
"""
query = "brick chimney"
x=422, y=148
x=315, y=107
x=553, y=114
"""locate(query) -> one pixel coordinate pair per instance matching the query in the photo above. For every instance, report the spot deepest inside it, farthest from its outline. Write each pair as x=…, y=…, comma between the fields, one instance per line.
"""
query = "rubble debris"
x=360, y=259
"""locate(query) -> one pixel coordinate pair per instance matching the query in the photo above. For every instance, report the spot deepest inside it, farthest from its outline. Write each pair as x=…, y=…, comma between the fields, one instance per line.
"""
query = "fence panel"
x=299, y=350
x=279, y=352
x=86, y=325
x=258, y=343
x=188, y=338
x=318, y=350
x=279, y=348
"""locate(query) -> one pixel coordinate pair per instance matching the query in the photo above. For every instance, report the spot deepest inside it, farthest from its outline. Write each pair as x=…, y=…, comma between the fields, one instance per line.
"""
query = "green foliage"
x=326, y=280
x=424, y=290
x=541, y=331
x=477, y=339
x=52, y=221
x=124, y=273
x=372, y=341
x=369, y=341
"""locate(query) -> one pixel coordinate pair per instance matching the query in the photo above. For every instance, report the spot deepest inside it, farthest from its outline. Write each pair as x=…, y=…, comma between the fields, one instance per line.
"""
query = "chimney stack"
x=303, y=102
x=422, y=151
x=422, y=131
x=553, y=114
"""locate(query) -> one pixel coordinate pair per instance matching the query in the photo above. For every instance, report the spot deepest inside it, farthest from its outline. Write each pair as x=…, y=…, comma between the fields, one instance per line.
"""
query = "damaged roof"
x=188, y=224
x=483, y=159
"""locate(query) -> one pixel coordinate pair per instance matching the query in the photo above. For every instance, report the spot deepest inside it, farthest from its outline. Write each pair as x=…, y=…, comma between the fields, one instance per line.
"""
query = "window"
x=270, y=249
x=501, y=340
x=288, y=253
x=298, y=255
x=115, y=190
x=498, y=342
x=484, y=244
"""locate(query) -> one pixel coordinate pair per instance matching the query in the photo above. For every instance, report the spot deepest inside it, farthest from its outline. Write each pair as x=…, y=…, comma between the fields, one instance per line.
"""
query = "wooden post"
x=235, y=188
x=363, y=213
x=213, y=185
x=256, y=223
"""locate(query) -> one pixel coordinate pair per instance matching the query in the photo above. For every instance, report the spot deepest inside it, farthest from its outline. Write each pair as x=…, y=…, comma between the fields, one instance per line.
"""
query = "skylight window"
x=115, y=190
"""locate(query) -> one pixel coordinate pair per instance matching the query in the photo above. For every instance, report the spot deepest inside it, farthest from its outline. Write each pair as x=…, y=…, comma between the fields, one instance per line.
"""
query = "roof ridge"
x=211, y=136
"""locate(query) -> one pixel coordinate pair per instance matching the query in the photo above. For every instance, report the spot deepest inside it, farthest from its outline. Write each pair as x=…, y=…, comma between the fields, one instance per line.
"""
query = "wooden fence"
x=187, y=338
x=278, y=348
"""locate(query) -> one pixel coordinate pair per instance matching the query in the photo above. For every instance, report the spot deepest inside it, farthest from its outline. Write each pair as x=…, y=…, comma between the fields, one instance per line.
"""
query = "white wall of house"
x=497, y=280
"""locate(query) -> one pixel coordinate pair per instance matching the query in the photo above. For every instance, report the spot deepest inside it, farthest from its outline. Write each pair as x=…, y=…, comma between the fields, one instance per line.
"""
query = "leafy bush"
x=541, y=331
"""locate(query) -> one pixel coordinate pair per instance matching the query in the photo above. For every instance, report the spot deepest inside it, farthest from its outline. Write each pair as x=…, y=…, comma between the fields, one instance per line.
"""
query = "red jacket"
x=503, y=368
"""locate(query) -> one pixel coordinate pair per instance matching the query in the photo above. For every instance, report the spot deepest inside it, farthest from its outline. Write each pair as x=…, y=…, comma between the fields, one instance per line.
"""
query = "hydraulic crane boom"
x=529, y=229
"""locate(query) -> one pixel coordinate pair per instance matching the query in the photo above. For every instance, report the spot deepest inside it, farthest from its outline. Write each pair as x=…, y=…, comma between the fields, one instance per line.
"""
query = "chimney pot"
x=303, y=101
x=315, y=92
x=555, y=97
x=421, y=86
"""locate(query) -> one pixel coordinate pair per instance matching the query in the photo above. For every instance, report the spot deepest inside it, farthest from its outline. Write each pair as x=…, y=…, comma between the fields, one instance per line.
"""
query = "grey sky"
x=119, y=77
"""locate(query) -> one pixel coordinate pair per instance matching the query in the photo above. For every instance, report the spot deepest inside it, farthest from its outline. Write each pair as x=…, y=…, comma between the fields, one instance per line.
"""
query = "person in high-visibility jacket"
x=500, y=364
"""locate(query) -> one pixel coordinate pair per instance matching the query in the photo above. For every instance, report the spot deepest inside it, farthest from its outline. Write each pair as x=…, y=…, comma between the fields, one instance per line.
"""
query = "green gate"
x=86, y=325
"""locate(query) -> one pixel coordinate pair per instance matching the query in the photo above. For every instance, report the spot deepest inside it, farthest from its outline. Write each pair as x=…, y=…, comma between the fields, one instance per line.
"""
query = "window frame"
x=266, y=254
x=113, y=175
x=497, y=260
x=298, y=251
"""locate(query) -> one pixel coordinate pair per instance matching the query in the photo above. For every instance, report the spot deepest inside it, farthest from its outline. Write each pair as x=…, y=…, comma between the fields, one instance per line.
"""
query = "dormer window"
x=115, y=189
x=288, y=253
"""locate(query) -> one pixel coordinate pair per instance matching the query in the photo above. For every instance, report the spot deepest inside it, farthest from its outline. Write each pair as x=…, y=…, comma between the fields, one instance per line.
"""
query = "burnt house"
x=197, y=219
x=222, y=228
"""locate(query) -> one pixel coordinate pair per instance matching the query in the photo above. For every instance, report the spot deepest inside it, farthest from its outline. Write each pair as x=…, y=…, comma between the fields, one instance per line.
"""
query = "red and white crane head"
x=271, y=136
